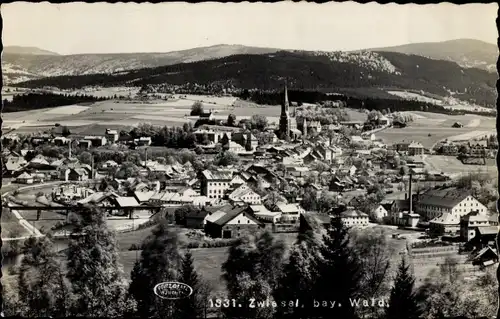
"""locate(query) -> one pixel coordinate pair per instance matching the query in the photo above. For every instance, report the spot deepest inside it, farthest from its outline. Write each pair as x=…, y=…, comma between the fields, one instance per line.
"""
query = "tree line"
x=263, y=278
x=306, y=71
x=33, y=101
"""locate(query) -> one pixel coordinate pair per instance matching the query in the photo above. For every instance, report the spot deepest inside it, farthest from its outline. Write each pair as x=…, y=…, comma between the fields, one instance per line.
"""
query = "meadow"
x=439, y=126
x=86, y=120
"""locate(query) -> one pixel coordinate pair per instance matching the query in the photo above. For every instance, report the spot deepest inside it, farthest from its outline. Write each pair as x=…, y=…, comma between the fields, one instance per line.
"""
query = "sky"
x=129, y=27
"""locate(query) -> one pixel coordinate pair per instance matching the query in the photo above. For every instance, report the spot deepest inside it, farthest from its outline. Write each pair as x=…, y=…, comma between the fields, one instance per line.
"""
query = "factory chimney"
x=410, y=197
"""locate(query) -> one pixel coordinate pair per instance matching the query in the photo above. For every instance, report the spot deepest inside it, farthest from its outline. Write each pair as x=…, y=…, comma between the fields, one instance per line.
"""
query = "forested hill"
x=324, y=71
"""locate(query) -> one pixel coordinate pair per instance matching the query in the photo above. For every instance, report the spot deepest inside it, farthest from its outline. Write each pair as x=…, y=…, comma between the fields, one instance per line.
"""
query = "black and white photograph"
x=286, y=160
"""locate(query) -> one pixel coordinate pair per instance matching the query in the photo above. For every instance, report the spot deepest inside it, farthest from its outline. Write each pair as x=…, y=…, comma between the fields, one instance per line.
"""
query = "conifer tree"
x=159, y=262
x=190, y=307
x=94, y=269
x=43, y=290
x=339, y=273
x=403, y=302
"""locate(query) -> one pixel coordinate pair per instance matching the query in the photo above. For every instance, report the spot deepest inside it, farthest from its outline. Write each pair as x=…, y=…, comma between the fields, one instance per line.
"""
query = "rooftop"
x=217, y=175
x=448, y=197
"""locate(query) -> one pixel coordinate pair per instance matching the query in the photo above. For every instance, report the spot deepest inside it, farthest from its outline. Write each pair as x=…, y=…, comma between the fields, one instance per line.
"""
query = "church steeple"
x=286, y=96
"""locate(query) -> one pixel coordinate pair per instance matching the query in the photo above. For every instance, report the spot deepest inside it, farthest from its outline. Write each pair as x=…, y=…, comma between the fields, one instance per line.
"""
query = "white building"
x=290, y=212
x=262, y=213
x=214, y=184
x=244, y=194
x=380, y=213
x=458, y=203
x=354, y=218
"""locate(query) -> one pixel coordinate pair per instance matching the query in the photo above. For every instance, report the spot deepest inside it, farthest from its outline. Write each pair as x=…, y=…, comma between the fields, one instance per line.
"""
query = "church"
x=288, y=122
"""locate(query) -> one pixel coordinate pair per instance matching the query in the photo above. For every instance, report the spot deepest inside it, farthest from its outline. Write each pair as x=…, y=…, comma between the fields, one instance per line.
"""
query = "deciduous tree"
x=43, y=290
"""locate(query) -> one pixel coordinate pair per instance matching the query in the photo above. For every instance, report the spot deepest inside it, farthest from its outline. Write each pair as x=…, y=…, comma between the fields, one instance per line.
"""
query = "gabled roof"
x=242, y=191
x=288, y=208
x=144, y=196
x=25, y=175
x=233, y=213
x=127, y=201
x=217, y=175
x=15, y=163
x=448, y=197
x=446, y=219
x=352, y=213
x=489, y=230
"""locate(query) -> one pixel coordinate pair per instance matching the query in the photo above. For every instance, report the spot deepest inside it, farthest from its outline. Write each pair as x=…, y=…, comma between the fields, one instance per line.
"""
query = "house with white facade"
x=214, y=184
x=245, y=194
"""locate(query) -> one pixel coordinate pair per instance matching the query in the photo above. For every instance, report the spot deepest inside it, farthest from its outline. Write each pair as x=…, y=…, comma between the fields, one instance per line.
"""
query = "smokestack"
x=69, y=144
x=92, y=167
x=410, y=195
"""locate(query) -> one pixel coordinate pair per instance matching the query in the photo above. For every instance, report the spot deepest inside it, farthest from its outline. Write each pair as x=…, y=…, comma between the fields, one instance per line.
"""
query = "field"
x=452, y=165
x=439, y=126
x=414, y=96
x=208, y=261
x=84, y=120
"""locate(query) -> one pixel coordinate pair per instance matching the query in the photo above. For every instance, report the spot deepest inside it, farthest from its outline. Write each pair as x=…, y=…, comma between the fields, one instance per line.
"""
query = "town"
x=231, y=181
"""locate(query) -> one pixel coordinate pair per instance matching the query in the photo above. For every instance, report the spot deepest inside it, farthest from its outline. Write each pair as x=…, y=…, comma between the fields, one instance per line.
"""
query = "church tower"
x=285, y=115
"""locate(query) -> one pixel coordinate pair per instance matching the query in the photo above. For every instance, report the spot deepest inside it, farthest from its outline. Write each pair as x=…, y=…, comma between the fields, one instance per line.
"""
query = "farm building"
x=265, y=215
x=472, y=221
x=25, y=178
x=78, y=174
x=233, y=223
x=484, y=237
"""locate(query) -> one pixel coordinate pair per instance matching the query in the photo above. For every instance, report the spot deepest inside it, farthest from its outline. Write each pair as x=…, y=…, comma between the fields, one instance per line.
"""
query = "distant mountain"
x=26, y=50
x=325, y=71
x=31, y=66
x=467, y=53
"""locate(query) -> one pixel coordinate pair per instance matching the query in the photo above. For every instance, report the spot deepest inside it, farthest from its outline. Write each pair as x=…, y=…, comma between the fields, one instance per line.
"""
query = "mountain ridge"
x=468, y=53
x=307, y=70
x=20, y=67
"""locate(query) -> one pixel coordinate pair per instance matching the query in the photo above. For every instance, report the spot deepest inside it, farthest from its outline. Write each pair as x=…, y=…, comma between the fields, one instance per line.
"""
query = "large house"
x=457, y=202
x=354, y=218
x=233, y=223
x=290, y=212
x=214, y=184
x=472, y=221
x=415, y=148
x=244, y=194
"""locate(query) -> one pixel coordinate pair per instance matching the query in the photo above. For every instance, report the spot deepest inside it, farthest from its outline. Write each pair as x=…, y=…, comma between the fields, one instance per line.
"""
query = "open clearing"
x=123, y=115
x=452, y=165
x=439, y=126
x=414, y=96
